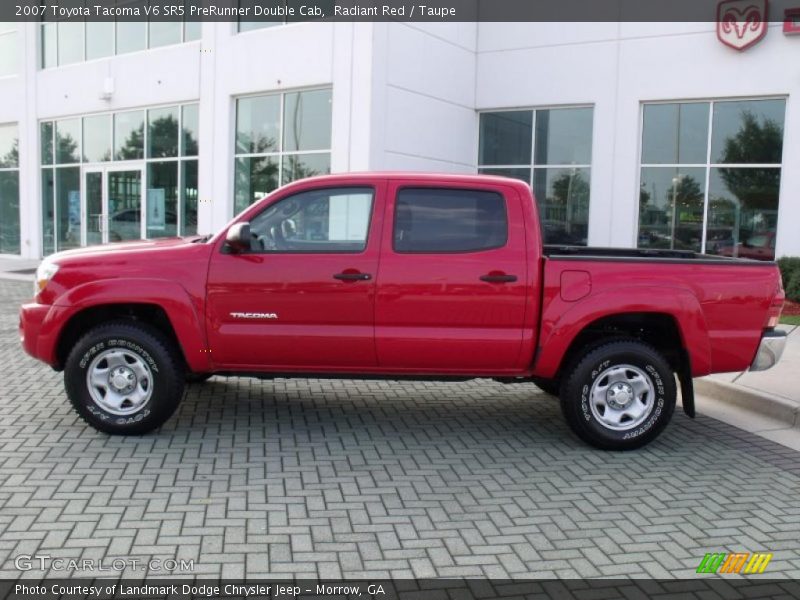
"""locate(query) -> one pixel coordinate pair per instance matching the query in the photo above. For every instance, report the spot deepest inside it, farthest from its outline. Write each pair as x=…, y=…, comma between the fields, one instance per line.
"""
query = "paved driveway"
x=376, y=479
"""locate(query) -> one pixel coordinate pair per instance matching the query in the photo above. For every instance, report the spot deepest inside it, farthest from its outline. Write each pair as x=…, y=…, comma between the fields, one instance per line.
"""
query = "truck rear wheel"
x=619, y=396
x=124, y=378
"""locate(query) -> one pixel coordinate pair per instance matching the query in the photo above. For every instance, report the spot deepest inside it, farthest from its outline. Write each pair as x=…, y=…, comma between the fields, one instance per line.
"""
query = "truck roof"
x=423, y=176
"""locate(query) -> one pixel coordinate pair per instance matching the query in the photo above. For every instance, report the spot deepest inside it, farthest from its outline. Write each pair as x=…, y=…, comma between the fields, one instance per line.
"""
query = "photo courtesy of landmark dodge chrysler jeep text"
x=401, y=276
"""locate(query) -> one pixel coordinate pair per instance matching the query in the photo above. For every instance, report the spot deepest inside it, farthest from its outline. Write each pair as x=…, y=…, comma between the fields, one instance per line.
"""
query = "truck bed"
x=644, y=254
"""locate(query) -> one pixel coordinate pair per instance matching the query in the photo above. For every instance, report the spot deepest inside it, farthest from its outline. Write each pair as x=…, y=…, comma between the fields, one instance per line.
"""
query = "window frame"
x=708, y=166
x=449, y=189
x=370, y=218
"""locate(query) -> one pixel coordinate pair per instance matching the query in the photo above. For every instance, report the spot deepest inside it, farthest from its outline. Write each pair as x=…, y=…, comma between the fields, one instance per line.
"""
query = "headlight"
x=44, y=274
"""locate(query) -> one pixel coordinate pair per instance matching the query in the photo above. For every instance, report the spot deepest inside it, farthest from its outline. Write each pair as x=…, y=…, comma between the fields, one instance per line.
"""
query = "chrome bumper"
x=769, y=350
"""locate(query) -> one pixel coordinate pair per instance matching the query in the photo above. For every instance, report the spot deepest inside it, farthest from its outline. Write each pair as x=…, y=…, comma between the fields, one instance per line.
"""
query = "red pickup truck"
x=401, y=276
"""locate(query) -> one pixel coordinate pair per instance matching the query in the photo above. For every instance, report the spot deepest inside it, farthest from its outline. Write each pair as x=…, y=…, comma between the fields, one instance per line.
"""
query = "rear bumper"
x=769, y=350
x=32, y=319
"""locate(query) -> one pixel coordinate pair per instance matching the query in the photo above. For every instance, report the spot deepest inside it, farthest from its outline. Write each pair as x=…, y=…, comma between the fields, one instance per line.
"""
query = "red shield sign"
x=741, y=23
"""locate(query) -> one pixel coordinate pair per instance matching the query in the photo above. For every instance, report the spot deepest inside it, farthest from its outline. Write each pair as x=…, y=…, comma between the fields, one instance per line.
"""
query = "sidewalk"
x=765, y=402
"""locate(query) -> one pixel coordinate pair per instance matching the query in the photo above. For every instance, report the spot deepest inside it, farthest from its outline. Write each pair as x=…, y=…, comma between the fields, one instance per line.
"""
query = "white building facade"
x=631, y=134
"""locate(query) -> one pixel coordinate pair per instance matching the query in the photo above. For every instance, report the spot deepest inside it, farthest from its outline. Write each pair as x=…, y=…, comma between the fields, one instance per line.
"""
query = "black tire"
x=548, y=386
x=134, y=342
x=584, y=413
x=197, y=377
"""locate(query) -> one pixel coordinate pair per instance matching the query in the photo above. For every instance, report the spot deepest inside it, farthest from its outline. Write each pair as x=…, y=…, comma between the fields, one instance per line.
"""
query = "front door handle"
x=353, y=276
x=498, y=278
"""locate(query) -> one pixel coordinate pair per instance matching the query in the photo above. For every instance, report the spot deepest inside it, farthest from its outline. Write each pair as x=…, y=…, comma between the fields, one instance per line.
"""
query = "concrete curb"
x=771, y=406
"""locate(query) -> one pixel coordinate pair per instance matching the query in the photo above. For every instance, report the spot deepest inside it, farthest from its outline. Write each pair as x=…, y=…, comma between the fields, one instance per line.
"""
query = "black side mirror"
x=238, y=237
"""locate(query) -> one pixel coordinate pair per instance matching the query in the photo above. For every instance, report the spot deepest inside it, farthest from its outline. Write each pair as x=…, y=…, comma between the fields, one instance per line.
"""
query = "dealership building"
x=653, y=135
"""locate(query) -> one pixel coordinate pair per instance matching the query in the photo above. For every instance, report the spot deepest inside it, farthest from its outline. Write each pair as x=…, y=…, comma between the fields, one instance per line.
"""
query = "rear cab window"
x=439, y=220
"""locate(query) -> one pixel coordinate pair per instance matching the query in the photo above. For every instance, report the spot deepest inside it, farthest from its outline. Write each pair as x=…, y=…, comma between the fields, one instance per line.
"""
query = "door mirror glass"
x=238, y=237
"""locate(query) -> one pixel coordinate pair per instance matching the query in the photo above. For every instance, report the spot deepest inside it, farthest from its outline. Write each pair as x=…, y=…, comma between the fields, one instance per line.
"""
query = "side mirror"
x=238, y=237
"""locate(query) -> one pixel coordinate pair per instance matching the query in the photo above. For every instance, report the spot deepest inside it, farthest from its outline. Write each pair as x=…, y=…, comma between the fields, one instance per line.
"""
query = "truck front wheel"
x=619, y=396
x=124, y=378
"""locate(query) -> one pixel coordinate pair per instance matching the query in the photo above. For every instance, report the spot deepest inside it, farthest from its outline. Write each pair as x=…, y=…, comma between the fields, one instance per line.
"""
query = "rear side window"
x=440, y=220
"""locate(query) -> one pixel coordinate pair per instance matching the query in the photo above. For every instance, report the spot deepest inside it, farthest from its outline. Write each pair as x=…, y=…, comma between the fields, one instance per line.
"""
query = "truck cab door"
x=303, y=296
x=453, y=282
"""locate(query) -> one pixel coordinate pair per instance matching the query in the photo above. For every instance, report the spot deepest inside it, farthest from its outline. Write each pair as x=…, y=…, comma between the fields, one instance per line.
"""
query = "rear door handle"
x=499, y=278
x=353, y=276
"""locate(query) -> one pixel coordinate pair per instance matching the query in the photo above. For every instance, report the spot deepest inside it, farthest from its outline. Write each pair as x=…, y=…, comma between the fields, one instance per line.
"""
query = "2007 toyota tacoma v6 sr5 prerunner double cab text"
x=400, y=276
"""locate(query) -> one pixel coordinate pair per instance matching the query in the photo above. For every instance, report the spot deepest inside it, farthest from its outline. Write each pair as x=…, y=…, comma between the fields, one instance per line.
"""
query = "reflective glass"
x=162, y=133
x=97, y=138
x=46, y=134
x=191, y=127
x=254, y=178
x=9, y=54
x=258, y=122
x=68, y=207
x=743, y=212
x=192, y=31
x=9, y=212
x=131, y=36
x=162, y=199
x=68, y=141
x=129, y=135
x=9, y=146
x=307, y=121
x=564, y=136
x=748, y=132
x=505, y=138
x=99, y=39
x=671, y=208
x=124, y=205
x=562, y=196
x=513, y=173
x=675, y=133
x=70, y=42
x=48, y=215
x=189, y=198
x=300, y=166
x=163, y=33
x=49, y=45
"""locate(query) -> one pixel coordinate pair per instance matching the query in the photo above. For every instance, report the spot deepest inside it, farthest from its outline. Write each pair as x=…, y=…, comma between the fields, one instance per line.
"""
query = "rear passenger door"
x=452, y=279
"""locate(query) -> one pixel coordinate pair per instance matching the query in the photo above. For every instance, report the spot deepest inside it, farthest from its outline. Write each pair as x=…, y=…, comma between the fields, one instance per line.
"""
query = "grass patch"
x=790, y=320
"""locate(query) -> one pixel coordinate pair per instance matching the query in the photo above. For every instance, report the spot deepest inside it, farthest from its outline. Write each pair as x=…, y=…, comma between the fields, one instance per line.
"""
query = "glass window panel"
x=97, y=138
x=254, y=25
x=743, y=212
x=9, y=212
x=505, y=138
x=437, y=220
x=162, y=199
x=562, y=196
x=307, y=121
x=70, y=42
x=48, y=215
x=193, y=30
x=254, y=178
x=9, y=146
x=99, y=39
x=675, y=133
x=124, y=205
x=564, y=136
x=68, y=141
x=671, y=208
x=9, y=54
x=258, y=122
x=521, y=174
x=131, y=36
x=748, y=132
x=68, y=208
x=164, y=33
x=162, y=133
x=49, y=45
x=332, y=220
x=300, y=166
x=191, y=127
x=129, y=135
x=189, y=198
x=46, y=132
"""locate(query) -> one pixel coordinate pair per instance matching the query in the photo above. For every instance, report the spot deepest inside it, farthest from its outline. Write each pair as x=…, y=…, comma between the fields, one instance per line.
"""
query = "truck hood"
x=118, y=248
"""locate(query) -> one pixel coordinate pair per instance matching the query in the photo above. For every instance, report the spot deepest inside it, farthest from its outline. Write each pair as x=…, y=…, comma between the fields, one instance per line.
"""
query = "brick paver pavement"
x=376, y=479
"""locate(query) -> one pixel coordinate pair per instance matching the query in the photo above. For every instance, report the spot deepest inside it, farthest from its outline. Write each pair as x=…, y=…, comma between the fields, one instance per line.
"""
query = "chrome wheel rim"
x=622, y=397
x=119, y=381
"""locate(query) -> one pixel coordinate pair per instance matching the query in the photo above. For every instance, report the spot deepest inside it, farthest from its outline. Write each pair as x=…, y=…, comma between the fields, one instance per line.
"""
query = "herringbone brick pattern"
x=377, y=479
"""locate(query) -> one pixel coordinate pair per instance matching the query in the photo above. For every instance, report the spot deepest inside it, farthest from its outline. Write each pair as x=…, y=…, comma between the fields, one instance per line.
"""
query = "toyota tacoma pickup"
x=400, y=276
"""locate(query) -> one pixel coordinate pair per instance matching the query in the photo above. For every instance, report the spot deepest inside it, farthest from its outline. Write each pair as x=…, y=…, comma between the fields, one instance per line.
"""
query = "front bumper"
x=769, y=350
x=31, y=320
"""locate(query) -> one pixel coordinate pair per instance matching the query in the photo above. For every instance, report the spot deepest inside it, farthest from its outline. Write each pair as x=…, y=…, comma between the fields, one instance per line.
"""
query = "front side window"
x=444, y=220
x=318, y=221
x=710, y=176
x=551, y=150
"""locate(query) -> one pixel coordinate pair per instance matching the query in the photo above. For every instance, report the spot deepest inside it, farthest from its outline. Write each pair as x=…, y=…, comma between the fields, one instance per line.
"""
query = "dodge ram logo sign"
x=741, y=23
